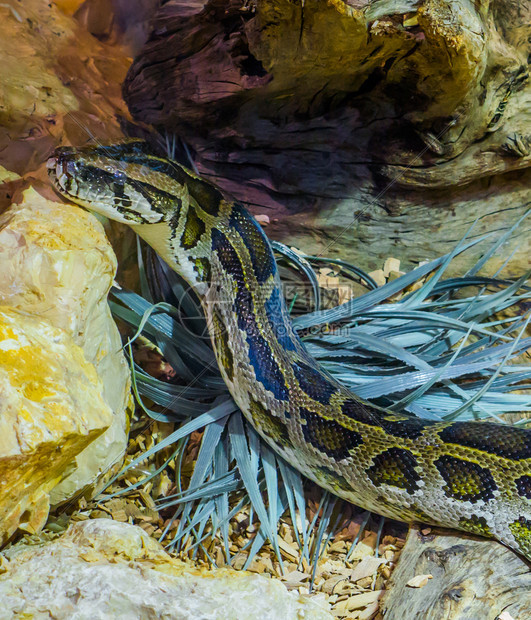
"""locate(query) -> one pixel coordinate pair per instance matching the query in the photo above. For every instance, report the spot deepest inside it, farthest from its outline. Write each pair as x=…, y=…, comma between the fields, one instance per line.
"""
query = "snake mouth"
x=51, y=166
x=61, y=170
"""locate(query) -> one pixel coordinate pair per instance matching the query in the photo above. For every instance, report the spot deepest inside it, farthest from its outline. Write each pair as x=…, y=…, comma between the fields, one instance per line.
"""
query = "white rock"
x=105, y=569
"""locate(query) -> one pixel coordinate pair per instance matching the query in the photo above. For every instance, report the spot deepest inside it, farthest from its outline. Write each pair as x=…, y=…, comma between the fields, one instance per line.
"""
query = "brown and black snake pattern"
x=473, y=476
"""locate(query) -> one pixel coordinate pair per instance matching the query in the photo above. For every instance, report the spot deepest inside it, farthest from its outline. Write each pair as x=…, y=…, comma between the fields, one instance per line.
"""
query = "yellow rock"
x=51, y=408
x=56, y=264
x=6, y=175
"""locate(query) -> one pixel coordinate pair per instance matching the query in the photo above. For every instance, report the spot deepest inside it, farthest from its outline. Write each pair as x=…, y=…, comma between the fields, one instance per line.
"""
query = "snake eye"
x=119, y=176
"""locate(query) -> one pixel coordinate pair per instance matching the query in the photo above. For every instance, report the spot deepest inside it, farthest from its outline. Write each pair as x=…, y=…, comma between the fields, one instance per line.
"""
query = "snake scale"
x=471, y=476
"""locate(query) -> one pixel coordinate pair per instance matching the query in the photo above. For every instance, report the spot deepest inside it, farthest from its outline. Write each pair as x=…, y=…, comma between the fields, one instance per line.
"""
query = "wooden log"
x=363, y=129
x=472, y=579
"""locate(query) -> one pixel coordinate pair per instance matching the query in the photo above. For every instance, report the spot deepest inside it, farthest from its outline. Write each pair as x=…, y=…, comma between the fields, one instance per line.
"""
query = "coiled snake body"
x=472, y=476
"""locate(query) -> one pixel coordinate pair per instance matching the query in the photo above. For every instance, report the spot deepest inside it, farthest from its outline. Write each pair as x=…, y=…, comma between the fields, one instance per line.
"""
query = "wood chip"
x=393, y=275
x=378, y=276
x=365, y=583
x=268, y=564
x=239, y=560
x=289, y=550
x=391, y=264
x=119, y=515
x=360, y=601
x=100, y=514
x=148, y=528
x=370, y=611
x=364, y=547
x=220, y=557
x=333, y=584
x=419, y=581
x=329, y=282
x=368, y=566
x=294, y=579
x=337, y=547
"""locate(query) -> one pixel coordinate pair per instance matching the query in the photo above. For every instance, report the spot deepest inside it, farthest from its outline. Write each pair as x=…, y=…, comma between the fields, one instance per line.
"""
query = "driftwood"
x=363, y=129
x=472, y=579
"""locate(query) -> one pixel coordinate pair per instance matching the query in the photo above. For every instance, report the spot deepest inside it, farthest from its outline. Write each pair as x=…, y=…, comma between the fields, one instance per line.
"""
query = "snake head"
x=122, y=182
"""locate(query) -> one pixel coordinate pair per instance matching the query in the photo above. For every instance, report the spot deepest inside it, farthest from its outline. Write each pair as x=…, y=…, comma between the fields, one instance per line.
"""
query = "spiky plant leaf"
x=407, y=353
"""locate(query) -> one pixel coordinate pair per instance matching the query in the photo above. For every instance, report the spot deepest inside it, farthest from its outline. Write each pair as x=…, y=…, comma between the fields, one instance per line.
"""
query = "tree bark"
x=473, y=578
x=363, y=129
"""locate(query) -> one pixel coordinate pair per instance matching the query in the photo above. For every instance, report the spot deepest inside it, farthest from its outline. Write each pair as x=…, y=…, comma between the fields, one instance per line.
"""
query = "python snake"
x=472, y=476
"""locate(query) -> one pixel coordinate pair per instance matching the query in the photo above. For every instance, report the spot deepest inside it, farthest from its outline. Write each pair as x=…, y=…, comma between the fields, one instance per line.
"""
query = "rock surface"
x=104, y=569
x=51, y=408
x=56, y=264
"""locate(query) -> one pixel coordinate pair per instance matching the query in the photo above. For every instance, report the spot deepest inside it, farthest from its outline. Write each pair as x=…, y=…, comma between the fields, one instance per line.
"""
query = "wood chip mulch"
x=353, y=587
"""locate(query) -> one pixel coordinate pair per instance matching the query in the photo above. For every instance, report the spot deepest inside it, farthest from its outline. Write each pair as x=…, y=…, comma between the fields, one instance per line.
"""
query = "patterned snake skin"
x=472, y=476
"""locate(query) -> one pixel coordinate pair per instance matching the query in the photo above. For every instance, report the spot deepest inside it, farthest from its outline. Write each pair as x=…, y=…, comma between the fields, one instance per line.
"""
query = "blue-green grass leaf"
x=248, y=473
